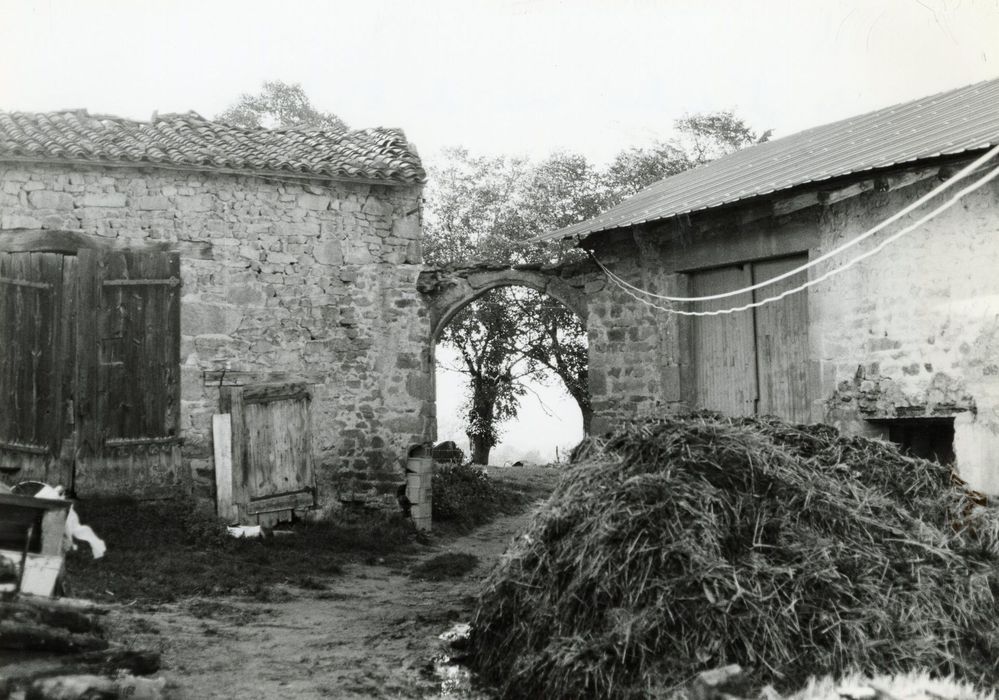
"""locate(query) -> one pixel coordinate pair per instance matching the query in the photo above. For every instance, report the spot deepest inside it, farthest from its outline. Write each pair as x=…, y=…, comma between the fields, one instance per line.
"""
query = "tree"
x=481, y=208
x=279, y=105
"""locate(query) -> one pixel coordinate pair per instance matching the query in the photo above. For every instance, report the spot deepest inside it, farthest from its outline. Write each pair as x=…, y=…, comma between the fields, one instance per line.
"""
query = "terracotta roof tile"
x=191, y=141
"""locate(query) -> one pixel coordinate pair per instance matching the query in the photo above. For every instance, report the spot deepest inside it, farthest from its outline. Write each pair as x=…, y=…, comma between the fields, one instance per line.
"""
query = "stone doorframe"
x=449, y=290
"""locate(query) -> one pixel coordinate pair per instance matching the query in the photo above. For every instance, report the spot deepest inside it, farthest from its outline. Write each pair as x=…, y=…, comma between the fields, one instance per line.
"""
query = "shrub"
x=464, y=494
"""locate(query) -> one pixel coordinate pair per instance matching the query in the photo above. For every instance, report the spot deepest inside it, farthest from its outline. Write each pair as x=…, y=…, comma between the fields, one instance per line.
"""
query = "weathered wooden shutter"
x=724, y=357
x=272, y=468
x=128, y=361
x=32, y=359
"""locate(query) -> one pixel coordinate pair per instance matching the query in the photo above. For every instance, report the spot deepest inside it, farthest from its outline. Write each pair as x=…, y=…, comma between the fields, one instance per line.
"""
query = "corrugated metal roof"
x=191, y=141
x=965, y=119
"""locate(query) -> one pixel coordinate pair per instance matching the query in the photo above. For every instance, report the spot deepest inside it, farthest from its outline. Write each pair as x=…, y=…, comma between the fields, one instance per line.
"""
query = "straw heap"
x=685, y=544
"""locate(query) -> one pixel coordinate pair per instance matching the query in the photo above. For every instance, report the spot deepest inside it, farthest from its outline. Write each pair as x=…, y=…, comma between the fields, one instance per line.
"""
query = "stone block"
x=193, y=203
x=358, y=255
x=198, y=318
x=246, y=295
x=105, y=199
x=44, y=199
x=407, y=227
x=281, y=258
x=152, y=203
x=314, y=202
x=329, y=253
x=60, y=221
x=19, y=221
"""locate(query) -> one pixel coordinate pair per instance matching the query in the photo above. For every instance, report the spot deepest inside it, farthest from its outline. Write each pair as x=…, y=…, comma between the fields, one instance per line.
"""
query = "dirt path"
x=371, y=632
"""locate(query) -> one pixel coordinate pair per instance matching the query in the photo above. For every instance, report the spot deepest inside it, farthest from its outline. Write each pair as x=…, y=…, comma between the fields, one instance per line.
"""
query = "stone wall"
x=312, y=278
x=910, y=332
x=635, y=351
x=914, y=331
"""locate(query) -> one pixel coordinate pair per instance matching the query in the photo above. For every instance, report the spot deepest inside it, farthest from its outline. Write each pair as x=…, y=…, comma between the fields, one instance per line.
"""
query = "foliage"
x=488, y=208
x=463, y=494
x=685, y=544
x=279, y=105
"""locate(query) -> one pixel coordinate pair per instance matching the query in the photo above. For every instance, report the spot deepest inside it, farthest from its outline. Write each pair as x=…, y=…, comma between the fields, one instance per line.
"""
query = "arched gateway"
x=449, y=290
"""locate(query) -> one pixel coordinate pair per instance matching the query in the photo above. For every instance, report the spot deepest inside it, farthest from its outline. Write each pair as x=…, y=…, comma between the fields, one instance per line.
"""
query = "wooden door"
x=723, y=346
x=782, y=342
x=36, y=299
x=128, y=374
x=272, y=469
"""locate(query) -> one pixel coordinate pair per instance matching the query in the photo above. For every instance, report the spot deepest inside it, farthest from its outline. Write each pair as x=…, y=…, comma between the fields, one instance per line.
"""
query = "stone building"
x=903, y=344
x=151, y=272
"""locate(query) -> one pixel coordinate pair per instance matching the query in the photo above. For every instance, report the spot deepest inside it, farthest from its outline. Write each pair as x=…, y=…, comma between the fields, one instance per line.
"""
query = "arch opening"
x=515, y=351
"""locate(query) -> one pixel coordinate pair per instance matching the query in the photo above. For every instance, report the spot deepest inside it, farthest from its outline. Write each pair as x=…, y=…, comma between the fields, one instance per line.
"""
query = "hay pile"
x=687, y=544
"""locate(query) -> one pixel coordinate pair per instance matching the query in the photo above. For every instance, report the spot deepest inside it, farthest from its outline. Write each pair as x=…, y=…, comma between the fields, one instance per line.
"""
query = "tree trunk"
x=587, y=411
x=480, y=449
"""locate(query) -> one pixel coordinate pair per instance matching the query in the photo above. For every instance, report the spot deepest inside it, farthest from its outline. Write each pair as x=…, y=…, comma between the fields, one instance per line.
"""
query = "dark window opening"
x=926, y=438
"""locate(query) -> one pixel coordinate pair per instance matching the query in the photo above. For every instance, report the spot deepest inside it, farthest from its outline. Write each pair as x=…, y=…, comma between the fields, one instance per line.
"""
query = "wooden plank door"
x=782, y=341
x=723, y=346
x=272, y=467
x=128, y=374
x=33, y=366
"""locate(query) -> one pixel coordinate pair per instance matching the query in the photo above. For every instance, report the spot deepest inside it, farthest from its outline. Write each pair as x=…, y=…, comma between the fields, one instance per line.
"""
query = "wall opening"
x=926, y=438
x=484, y=334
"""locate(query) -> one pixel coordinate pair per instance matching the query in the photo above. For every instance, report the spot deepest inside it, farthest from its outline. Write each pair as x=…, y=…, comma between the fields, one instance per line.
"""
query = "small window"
x=926, y=438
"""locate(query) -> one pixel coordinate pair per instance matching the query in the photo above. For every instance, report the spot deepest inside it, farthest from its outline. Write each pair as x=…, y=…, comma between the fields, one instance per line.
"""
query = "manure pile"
x=684, y=544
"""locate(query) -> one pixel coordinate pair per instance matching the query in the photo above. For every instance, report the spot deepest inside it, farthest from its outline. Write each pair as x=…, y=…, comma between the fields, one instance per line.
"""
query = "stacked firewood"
x=59, y=649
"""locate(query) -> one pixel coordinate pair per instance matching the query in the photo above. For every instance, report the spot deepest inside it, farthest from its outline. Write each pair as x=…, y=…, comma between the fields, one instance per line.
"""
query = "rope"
x=835, y=271
x=957, y=177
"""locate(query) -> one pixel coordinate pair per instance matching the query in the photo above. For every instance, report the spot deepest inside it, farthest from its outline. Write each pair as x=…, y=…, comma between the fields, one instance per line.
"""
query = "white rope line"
x=834, y=271
x=957, y=177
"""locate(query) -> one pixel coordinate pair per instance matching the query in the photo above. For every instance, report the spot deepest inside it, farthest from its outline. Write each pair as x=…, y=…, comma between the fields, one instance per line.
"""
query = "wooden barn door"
x=782, y=342
x=752, y=362
x=723, y=346
x=272, y=470
x=128, y=374
x=36, y=331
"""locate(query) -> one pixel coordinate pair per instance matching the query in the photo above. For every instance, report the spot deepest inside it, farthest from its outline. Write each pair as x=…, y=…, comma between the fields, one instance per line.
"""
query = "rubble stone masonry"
x=911, y=332
x=314, y=279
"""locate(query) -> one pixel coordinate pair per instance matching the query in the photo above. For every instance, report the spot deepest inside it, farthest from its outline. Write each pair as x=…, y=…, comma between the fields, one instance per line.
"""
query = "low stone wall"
x=313, y=279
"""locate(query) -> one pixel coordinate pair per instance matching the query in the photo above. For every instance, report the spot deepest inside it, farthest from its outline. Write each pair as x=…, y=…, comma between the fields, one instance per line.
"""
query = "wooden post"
x=222, y=438
x=231, y=402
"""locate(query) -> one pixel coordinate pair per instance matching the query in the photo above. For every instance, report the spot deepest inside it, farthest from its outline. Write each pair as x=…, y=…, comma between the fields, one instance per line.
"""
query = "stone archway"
x=449, y=290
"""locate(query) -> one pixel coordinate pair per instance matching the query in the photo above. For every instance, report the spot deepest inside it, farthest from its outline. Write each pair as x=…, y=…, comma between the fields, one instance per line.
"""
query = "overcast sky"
x=523, y=77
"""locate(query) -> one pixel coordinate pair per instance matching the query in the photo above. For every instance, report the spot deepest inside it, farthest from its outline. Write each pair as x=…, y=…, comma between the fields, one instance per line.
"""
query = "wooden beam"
x=72, y=242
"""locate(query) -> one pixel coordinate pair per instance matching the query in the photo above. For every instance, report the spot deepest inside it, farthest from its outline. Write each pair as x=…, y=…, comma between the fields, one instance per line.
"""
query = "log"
x=49, y=614
x=27, y=636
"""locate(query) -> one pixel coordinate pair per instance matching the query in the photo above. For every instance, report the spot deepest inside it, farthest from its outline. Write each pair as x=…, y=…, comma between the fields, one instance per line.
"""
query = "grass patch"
x=685, y=544
x=465, y=496
x=165, y=551
x=445, y=566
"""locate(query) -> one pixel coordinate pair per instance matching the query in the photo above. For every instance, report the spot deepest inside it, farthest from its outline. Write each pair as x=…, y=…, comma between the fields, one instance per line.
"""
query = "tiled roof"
x=190, y=141
x=966, y=119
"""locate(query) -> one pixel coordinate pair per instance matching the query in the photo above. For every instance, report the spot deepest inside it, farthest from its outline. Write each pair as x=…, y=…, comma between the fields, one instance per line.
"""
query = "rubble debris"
x=52, y=649
x=685, y=544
